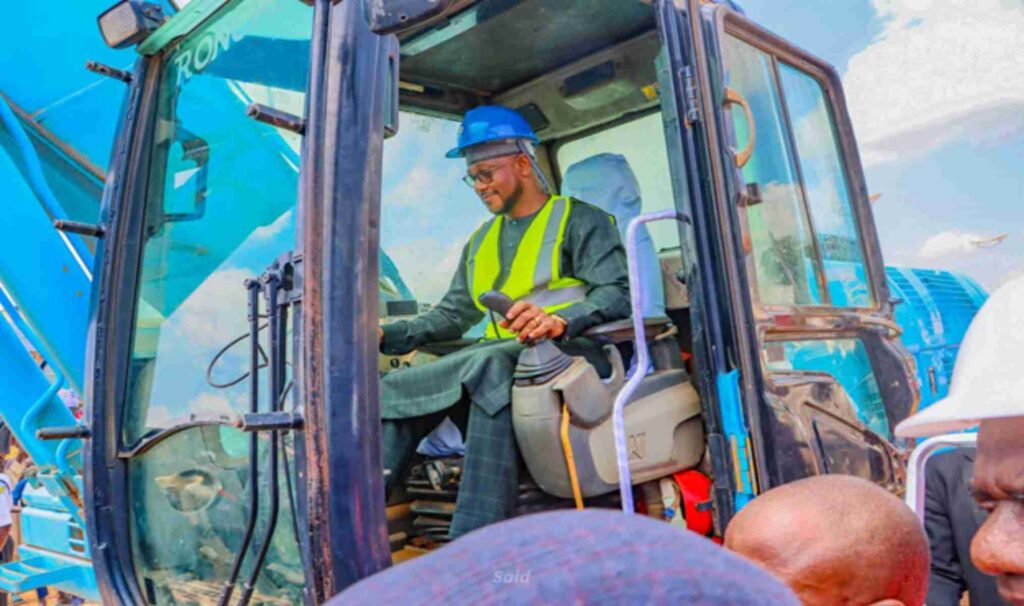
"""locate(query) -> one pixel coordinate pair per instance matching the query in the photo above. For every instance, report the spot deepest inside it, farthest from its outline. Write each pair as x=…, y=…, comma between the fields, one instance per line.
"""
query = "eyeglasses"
x=485, y=176
x=482, y=176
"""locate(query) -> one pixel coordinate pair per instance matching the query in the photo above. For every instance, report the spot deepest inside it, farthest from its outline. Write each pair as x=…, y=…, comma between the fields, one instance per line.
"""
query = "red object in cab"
x=695, y=489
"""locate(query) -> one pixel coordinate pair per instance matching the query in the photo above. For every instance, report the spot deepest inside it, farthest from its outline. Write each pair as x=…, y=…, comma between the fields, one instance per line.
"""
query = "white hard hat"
x=988, y=378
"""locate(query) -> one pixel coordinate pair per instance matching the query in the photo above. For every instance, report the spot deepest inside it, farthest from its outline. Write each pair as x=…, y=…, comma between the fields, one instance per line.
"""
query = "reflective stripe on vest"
x=536, y=272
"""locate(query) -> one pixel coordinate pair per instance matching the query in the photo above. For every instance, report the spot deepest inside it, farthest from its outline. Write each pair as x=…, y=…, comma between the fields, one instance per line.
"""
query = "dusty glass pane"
x=190, y=507
x=826, y=189
x=782, y=245
x=640, y=184
x=642, y=142
x=427, y=212
x=220, y=209
x=846, y=360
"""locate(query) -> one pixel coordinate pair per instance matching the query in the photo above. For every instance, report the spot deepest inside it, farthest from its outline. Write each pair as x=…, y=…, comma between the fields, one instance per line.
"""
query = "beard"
x=509, y=202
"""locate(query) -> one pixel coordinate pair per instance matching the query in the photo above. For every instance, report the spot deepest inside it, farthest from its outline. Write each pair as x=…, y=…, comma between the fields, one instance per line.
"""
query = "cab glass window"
x=427, y=215
x=825, y=187
x=804, y=244
x=642, y=143
x=220, y=209
x=624, y=171
x=780, y=233
x=844, y=359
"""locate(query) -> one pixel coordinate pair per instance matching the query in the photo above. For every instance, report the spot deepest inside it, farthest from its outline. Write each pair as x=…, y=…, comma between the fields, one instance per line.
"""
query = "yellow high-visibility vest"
x=536, y=272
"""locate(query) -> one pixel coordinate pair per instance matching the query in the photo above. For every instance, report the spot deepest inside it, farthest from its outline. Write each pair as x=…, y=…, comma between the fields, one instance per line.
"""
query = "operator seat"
x=607, y=181
x=664, y=429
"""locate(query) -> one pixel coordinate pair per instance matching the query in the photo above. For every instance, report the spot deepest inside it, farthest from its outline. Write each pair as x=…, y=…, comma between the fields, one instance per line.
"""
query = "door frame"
x=891, y=364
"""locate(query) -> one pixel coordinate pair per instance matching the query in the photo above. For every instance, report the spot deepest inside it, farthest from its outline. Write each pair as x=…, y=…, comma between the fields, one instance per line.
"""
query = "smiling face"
x=500, y=181
x=998, y=547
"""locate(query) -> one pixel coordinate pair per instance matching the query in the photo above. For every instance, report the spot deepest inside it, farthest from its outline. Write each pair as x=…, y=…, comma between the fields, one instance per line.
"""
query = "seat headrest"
x=607, y=182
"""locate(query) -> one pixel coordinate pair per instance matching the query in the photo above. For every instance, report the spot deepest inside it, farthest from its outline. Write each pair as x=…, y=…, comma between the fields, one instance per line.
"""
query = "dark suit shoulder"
x=950, y=463
x=583, y=209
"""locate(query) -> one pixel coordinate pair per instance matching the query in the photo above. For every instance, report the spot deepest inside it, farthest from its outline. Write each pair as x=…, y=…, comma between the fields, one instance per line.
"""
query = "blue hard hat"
x=490, y=123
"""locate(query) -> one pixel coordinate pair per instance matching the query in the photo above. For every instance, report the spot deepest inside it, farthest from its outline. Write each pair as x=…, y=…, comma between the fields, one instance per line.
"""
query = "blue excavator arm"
x=45, y=277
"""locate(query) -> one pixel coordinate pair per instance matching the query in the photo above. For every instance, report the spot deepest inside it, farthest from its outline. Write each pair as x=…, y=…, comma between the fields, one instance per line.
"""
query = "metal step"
x=26, y=575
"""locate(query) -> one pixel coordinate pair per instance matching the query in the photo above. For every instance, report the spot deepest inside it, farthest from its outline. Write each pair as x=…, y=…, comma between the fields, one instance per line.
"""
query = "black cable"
x=291, y=491
x=287, y=471
x=277, y=363
x=276, y=376
x=254, y=407
x=225, y=349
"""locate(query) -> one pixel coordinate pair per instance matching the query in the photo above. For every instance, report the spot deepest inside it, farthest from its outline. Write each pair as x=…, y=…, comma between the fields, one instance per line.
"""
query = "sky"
x=936, y=98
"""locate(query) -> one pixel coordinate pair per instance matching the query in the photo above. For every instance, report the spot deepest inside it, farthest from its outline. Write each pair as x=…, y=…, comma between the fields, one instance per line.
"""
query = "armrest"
x=622, y=330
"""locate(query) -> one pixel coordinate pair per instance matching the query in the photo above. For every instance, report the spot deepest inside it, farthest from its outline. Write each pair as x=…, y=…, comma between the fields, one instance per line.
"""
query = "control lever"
x=541, y=360
x=499, y=303
x=496, y=301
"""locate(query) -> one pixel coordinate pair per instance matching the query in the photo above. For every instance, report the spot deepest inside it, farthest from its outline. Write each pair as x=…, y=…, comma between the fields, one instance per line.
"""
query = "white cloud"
x=214, y=313
x=269, y=232
x=942, y=71
x=160, y=415
x=990, y=267
x=207, y=405
x=952, y=242
x=427, y=266
x=419, y=186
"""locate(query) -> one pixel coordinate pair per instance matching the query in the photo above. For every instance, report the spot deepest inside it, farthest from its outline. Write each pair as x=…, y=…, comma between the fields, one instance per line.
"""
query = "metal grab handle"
x=733, y=97
x=61, y=433
x=919, y=459
x=636, y=299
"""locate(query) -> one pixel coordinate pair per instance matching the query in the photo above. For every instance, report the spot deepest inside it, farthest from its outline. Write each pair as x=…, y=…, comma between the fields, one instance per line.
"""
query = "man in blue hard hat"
x=560, y=260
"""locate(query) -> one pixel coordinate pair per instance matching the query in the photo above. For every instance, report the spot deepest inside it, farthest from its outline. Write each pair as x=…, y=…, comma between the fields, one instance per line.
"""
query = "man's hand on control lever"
x=532, y=323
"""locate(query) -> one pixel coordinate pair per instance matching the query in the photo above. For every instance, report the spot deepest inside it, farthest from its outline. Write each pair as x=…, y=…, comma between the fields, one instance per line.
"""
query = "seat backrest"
x=607, y=182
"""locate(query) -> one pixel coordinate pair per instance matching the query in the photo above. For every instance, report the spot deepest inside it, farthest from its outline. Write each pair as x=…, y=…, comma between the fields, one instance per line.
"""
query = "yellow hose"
x=570, y=461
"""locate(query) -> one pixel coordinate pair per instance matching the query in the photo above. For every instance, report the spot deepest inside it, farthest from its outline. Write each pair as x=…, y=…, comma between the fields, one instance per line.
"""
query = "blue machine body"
x=45, y=303
x=46, y=279
x=57, y=122
x=935, y=309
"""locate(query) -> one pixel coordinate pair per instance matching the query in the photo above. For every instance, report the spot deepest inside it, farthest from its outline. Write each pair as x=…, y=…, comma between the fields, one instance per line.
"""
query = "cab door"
x=711, y=280
x=814, y=360
x=187, y=501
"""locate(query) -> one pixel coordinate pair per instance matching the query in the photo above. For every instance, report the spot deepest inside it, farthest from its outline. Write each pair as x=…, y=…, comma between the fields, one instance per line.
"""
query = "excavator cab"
x=279, y=188
x=789, y=284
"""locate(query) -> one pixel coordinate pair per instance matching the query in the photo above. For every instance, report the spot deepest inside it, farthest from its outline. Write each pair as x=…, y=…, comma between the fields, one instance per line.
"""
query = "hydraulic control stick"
x=496, y=301
x=499, y=303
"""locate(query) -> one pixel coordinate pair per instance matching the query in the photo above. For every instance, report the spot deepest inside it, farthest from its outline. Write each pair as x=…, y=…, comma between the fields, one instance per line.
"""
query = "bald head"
x=836, y=540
